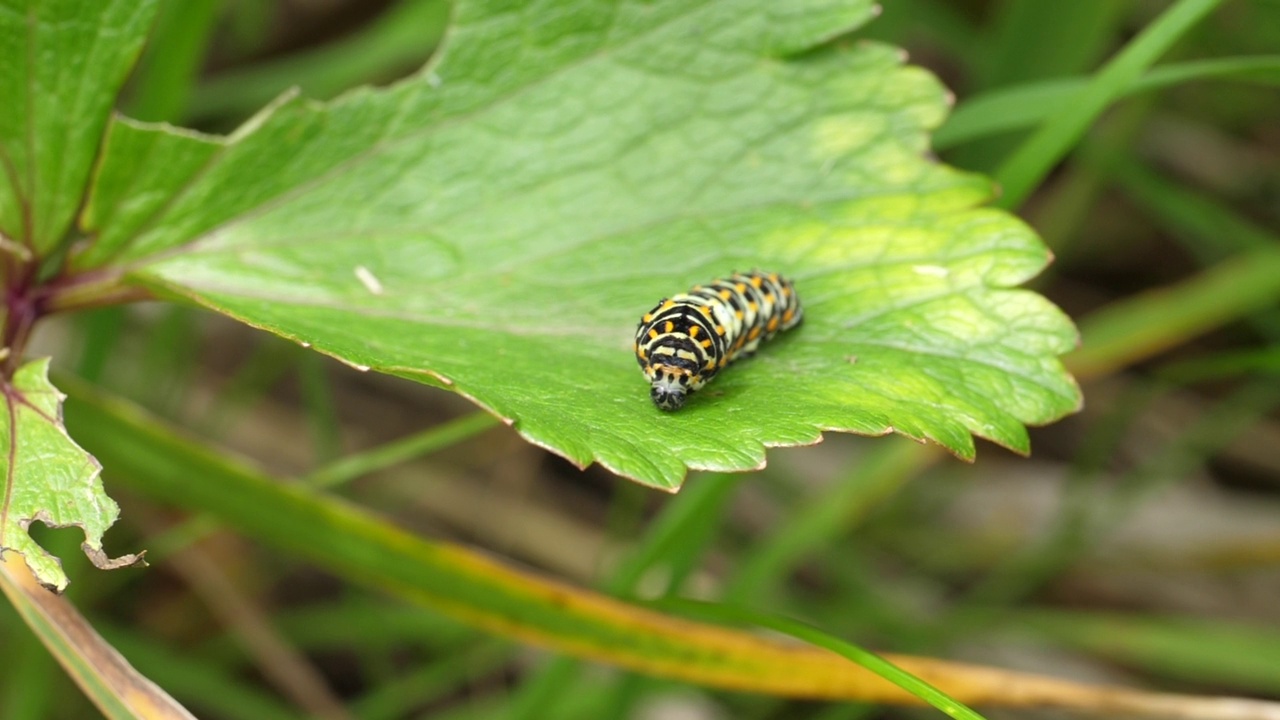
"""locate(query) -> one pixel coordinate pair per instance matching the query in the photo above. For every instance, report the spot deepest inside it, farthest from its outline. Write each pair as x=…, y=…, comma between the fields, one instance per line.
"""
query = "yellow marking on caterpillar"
x=739, y=314
x=653, y=334
x=719, y=329
x=754, y=307
x=705, y=310
x=693, y=330
x=786, y=316
x=648, y=317
x=670, y=326
x=740, y=287
x=706, y=343
x=756, y=282
x=755, y=333
x=773, y=323
x=725, y=294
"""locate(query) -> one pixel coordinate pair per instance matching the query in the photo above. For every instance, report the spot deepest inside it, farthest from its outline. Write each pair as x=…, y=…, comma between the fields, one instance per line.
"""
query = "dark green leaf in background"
x=61, y=64
x=499, y=223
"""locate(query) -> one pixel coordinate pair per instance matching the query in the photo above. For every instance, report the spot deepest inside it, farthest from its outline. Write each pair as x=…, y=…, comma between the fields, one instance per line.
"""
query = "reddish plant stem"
x=26, y=301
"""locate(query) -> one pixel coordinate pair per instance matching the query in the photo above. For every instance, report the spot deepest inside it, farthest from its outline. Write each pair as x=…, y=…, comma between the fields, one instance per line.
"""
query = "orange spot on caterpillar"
x=725, y=294
x=706, y=343
x=693, y=330
x=653, y=334
x=756, y=281
x=670, y=326
x=755, y=333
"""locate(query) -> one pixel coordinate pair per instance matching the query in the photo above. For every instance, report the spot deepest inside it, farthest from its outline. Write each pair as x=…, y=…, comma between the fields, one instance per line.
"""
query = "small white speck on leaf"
x=368, y=279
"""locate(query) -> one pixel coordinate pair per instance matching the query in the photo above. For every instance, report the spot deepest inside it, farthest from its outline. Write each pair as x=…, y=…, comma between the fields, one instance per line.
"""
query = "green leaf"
x=47, y=477
x=499, y=223
x=63, y=62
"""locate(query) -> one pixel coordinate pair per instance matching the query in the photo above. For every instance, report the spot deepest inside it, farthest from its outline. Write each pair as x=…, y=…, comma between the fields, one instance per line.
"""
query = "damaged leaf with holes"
x=48, y=478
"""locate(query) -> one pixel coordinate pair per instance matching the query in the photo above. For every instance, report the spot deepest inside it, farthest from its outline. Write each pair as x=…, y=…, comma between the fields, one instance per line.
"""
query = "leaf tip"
x=101, y=561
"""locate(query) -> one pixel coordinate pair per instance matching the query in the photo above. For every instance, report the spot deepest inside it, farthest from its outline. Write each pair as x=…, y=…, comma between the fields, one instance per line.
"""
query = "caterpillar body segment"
x=685, y=340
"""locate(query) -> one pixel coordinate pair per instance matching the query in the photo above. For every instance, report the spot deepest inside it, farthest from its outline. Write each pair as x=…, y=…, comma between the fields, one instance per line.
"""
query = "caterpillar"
x=686, y=339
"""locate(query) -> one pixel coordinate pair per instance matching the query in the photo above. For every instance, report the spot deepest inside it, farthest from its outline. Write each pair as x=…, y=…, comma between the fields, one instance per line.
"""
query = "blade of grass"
x=1023, y=106
x=400, y=40
x=679, y=536
x=98, y=330
x=828, y=514
x=716, y=612
x=355, y=465
x=317, y=398
x=26, y=693
x=268, y=362
x=1226, y=364
x=495, y=598
x=175, y=51
x=1085, y=519
x=686, y=526
x=1047, y=39
x=1141, y=326
x=1033, y=160
x=1201, y=651
x=202, y=684
x=1204, y=226
x=357, y=620
x=98, y=669
x=430, y=682
x=279, y=663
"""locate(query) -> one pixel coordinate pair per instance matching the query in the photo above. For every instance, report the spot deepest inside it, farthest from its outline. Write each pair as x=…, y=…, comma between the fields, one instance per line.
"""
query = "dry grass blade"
x=103, y=674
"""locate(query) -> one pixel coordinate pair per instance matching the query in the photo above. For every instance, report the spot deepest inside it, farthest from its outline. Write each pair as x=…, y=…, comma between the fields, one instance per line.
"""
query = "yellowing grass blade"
x=488, y=594
x=103, y=674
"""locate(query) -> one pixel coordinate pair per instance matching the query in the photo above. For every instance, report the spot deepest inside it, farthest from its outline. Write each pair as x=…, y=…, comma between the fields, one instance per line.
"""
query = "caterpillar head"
x=670, y=386
x=668, y=397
